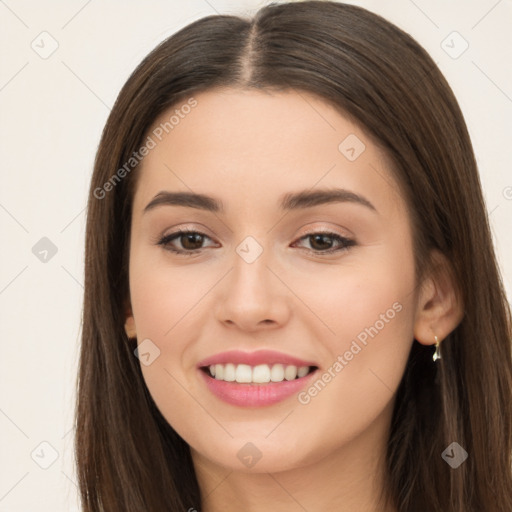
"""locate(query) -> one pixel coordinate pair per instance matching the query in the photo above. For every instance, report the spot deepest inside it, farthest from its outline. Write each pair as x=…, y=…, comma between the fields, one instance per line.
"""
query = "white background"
x=52, y=113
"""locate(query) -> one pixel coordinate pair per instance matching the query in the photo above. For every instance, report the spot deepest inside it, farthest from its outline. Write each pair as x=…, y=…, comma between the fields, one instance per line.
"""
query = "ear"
x=439, y=307
x=129, y=325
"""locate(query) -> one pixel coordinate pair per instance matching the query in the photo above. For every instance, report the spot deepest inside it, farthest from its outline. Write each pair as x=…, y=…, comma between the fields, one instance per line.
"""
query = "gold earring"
x=437, y=353
x=130, y=331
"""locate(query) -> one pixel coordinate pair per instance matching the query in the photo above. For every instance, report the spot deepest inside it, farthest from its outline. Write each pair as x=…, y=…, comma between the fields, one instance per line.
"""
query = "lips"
x=269, y=357
x=255, y=379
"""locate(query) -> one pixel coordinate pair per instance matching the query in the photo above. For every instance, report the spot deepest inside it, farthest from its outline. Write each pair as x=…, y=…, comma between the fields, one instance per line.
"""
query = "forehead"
x=252, y=144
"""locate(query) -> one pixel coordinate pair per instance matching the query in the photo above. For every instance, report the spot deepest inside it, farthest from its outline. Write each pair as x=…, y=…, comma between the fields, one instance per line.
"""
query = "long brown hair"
x=128, y=457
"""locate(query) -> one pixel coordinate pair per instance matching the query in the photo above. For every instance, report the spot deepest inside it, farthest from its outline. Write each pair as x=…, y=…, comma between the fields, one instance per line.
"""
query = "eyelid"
x=313, y=228
x=195, y=227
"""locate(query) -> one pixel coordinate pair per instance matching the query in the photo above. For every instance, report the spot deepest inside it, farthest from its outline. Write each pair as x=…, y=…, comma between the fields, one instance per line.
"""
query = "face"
x=301, y=303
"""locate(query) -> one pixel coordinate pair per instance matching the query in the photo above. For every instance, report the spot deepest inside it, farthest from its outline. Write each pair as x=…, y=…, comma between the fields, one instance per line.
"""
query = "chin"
x=260, y=454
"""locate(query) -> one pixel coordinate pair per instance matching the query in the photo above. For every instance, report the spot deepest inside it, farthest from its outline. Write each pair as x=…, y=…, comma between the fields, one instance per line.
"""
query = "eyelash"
x=165, y=242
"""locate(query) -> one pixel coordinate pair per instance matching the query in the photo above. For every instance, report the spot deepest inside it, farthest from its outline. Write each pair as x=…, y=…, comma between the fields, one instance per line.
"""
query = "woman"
x=292, y=300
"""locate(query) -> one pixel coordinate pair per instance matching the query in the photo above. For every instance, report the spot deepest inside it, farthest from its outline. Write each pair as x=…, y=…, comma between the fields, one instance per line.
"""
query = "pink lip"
x=254, y=358
x=255, y=395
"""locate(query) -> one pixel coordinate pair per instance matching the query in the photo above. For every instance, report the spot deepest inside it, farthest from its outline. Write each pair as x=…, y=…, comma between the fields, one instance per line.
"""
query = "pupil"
x=322, y=239
x=192, y=237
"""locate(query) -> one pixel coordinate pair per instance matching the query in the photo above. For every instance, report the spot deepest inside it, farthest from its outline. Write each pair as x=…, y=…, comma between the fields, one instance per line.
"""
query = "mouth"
x=256, y=379
x=260, y=374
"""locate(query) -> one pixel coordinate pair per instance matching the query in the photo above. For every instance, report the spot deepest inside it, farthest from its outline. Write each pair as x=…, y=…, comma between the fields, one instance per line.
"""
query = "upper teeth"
x=258, y=374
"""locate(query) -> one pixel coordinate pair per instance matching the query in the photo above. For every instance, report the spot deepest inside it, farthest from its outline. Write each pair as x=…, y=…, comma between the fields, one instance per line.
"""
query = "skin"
x=248, y=148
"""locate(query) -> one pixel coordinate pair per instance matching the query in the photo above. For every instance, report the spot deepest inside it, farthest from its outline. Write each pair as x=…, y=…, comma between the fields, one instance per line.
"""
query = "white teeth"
x=219, y=371
x=243, y=373
x=259, y=374
x=229, y=372
x=277, y=373
x=302, y=371
x=290, y=372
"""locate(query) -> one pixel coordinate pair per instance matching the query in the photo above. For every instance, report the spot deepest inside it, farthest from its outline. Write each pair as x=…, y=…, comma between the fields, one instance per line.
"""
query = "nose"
x=252, y=297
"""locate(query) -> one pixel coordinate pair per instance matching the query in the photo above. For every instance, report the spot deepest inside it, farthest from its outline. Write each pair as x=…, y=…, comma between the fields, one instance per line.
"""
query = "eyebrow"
x=291, y=201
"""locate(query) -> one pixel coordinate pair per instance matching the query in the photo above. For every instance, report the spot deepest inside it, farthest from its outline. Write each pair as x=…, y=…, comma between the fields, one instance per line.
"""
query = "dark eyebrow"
x=188, y=199
x=291, y=201
x=308, y=199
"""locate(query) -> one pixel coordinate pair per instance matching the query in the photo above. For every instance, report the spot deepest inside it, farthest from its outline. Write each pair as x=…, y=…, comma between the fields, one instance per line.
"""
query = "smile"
x=255, y=379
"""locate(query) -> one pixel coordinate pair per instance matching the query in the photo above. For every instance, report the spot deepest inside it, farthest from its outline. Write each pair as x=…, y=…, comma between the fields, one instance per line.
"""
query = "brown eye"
x=325, y=243
x=321, y=242
x=191, y=242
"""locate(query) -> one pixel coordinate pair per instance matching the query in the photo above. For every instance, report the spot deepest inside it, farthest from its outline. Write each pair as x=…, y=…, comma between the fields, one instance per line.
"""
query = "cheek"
x=167, y=305
x=165, y=298
x=370, y=309
x=171, y=304
x=366, y=299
